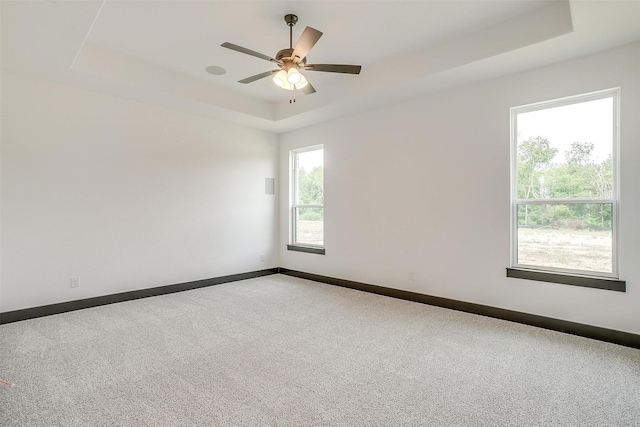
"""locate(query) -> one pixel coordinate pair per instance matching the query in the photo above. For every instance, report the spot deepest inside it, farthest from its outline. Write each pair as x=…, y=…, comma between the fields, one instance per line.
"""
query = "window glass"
x=308, y=197
x=566, y=151
x=581, y=238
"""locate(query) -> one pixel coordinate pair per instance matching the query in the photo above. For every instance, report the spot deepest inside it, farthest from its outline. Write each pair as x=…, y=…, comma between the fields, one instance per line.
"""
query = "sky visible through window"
x=310, y=159
x=582, y=122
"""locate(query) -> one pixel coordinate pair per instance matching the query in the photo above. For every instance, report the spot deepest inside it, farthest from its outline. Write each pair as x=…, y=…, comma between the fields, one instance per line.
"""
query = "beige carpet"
x=282, y=351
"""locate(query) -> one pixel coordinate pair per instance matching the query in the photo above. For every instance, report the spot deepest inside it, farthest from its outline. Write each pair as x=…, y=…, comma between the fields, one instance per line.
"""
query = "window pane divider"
x=564, y=201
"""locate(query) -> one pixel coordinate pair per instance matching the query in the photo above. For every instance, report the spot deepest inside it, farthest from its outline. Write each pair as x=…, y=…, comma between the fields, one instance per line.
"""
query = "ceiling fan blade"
x=308, y=39
x=308, y=89
x=334, y=68
x=258, y=76
x=247, y=51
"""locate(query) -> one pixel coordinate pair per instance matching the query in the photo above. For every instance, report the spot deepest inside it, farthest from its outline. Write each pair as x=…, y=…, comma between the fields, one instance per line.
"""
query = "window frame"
x=294, y=245
x=555, y=274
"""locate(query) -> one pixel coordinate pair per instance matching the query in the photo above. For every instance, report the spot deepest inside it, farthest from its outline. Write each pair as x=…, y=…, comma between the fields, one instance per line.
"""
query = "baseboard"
x=588, y=331
x=63, y=307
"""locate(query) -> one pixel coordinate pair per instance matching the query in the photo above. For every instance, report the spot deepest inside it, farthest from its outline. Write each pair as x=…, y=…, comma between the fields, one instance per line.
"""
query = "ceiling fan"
x=293, y=60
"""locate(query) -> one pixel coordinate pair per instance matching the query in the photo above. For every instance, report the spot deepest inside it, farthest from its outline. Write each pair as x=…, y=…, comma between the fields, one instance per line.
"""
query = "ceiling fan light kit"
x=293, y=60
x=282, y=80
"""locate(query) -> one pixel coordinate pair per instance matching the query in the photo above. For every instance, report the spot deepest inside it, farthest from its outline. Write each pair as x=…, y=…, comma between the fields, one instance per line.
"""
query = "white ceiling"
x=157, y=51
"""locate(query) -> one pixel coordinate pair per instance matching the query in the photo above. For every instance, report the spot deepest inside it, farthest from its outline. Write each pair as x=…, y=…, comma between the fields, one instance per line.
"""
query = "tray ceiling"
x=158, y=51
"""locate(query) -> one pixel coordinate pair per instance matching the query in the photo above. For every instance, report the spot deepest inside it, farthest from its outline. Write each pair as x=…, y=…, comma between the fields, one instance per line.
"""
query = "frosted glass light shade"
x=303, y=82
x=293, y=76
x=282, y=80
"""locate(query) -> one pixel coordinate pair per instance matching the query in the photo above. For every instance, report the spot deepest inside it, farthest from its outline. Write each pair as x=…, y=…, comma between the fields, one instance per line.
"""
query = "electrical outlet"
x=412, y=276
x=75, y=282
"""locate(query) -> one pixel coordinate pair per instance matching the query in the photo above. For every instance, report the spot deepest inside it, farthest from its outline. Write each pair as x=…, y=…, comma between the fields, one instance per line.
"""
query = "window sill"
x=308, y=249
x=568, y=279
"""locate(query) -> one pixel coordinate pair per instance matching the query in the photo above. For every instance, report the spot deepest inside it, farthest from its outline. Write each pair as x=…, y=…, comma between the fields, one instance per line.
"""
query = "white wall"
x=424, y=186
x=129, y=196
x=125, y=195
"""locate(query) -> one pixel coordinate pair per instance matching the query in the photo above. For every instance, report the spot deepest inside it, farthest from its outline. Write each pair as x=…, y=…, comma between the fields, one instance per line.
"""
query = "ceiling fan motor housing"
x=285, y=56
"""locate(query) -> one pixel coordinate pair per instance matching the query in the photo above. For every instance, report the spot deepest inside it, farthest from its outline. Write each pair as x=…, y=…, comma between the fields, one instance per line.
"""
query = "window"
x=564, y=186
x=307, y=200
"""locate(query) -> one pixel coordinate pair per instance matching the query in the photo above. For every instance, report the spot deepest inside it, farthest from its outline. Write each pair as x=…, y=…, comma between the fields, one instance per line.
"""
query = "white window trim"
x=293, y=205
x=614, y=201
